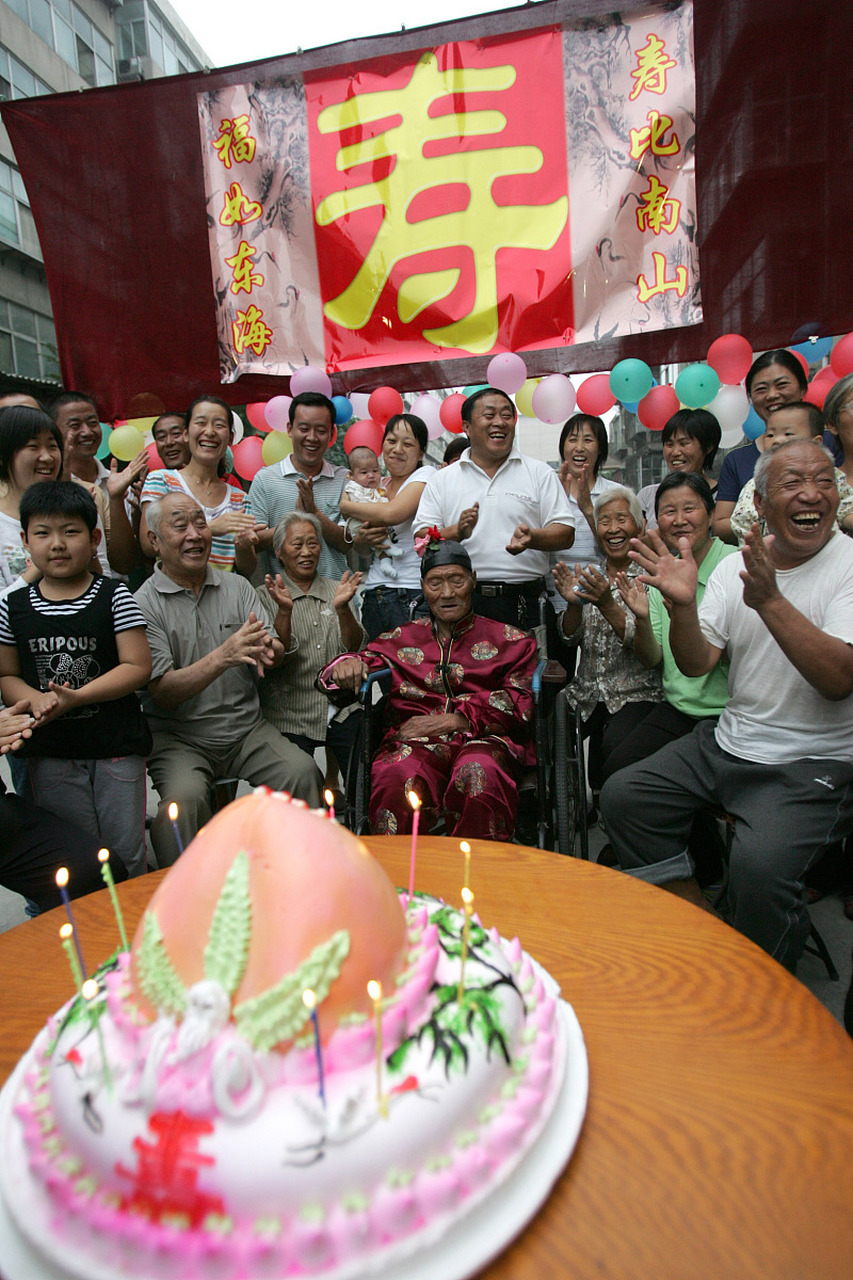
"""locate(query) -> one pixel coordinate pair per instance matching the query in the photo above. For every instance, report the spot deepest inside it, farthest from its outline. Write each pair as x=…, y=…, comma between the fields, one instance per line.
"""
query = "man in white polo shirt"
x=511, y=511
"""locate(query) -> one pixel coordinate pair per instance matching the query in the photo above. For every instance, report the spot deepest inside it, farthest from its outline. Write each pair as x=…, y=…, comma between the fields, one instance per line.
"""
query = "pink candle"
x=414, y=801
x=329, y=797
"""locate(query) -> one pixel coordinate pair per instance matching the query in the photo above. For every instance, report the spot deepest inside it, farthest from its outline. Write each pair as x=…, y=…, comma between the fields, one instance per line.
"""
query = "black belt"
x=511, y=589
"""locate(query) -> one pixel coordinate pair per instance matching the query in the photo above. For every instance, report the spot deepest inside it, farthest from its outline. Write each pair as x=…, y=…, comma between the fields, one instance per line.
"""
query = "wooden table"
x=718, y=1144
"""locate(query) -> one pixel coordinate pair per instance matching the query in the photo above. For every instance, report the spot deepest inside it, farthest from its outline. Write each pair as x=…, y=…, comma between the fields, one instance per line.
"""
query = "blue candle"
x=61, y=883
x=310, y=1001
x=173, y=818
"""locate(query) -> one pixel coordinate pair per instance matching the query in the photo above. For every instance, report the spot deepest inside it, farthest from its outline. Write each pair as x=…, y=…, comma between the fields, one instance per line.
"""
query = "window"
x=27, y=342
x=16, y=80
x=68, y=31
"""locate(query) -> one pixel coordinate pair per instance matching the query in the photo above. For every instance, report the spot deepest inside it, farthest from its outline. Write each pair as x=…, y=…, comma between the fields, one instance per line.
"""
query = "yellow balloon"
x=125, y=442
x=142, y=424
x=524, y=397
x=277, y=445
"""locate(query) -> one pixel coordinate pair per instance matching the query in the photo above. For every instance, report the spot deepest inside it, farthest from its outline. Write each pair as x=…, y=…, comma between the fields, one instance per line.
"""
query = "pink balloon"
x=277, y=413
x=554, y=399
x=429, y=409
x=309, y=378
x=842, y=356
x=248, y=457
x=730, y=357
x=366, y=433
x=256, y=413
x=155, y=462
x=451, y=413
x=507, y=372
x=384, y=402
x=595, y=396
x=359, y=401
x=657, y=407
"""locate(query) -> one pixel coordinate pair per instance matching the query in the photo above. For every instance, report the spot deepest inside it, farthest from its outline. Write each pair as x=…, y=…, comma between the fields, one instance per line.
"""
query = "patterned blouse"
x=609, y=671
x=160, y=483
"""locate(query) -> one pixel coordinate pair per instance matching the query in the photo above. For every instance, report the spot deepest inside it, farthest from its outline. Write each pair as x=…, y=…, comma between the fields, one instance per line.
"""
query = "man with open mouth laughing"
x=780, y=760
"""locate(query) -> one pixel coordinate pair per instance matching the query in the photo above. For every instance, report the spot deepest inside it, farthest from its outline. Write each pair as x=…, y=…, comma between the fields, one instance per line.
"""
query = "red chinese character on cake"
x=165, y=1181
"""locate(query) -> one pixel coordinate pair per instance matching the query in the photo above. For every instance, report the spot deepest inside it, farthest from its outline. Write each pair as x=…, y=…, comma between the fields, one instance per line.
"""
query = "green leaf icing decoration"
x=279, y=1013
x=160, y=984
x=230, y=928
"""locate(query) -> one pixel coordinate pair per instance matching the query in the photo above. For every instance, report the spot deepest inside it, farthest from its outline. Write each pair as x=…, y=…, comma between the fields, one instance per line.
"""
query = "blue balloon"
x=343, y=410
x=479, y=386
x=814, y=351
x=753, y=426
x=632, y=406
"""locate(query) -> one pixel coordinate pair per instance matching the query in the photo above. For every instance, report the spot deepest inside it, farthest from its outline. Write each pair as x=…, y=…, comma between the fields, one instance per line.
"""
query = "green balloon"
x=697, y=385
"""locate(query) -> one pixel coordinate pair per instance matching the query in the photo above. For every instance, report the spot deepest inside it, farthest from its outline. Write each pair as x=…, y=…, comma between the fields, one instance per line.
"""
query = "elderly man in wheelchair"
x=459, y=714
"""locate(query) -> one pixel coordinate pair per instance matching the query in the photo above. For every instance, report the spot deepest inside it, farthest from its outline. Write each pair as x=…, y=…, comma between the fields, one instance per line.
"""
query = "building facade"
x=53, y=46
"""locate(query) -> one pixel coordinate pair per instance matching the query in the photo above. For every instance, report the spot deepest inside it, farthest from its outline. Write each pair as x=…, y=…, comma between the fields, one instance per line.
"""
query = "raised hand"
x=566, y=581
x=758, y=575
x=118, y=482
x=520, y=540
x=346, y=589
x=634, y=594
x=305, y=501
x=279, y=591
x=467, y=520
x=675, y=577
x=231, y=522
x=593, y=587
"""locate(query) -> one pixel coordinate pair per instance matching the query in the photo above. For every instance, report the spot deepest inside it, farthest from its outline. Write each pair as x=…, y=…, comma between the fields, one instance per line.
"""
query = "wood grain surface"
x=718, y=1144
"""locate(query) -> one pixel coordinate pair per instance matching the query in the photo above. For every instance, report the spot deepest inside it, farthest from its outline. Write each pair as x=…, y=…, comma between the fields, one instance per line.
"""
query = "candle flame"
x=173, y=812
x=308, y=998
x=90, y=988
x=62, y=877
x=467, y=896
x=329, y=796
x=65, y=931
x=413, y=799
x=103, y=855
x=465, y=846
x=374, y=989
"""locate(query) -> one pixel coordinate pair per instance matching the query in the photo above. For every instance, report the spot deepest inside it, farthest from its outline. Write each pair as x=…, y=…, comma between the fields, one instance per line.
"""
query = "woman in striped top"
x=226, y=508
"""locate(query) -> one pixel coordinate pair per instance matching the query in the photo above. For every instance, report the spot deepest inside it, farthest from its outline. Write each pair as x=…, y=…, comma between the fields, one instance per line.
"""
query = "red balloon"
x=802, y=359
x=657, y=407
x=842, y=356
x=819, y=387
x=451, y=413
x=255, y=414
x=155, y=462
x=248, y=458
x=594, y=395
x=730, y=357
x=365, y=433
x=383, y=403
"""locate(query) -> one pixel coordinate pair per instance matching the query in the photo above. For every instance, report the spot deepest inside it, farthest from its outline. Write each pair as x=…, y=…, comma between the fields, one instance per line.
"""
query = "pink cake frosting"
x=170, y=1130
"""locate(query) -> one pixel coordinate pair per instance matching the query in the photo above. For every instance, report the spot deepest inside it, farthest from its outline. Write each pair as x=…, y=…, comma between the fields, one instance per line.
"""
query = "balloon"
x=813, y=349
x=359, y=401
x=143, y=425
x=730, y=407
x=277, y=413
x=798, y=355
x=657, y=407
x=256, y=413
x=237, y=428
x=630, y=406
x=475, y=387
x=753, y=427
x=103, y=450
x=343, y=410
x=309, y=378
x=248, y=457
x=429, y=409
x=367, y=432
x=155, y=462
x=630, y=380
x=383, y=403
x=595, y=396
x=730, y=357
x=554, y=399
x=507, y=372
x=451, y=413
x=125, y=442
x=819, y=386
x=841, y=359
x=277, y=445
x=696, y=385
x=524, y=397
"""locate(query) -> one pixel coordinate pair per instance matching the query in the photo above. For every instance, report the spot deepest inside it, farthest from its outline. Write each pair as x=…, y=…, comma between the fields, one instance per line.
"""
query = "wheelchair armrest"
x=365, y=693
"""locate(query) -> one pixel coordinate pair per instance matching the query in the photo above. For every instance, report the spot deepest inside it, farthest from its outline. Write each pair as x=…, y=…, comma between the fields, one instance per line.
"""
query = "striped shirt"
x=126, y=613
x=160, y=483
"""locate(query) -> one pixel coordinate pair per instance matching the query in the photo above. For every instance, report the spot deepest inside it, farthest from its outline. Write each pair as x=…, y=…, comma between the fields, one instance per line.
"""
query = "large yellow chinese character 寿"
x=652, y=65
x=483, y=226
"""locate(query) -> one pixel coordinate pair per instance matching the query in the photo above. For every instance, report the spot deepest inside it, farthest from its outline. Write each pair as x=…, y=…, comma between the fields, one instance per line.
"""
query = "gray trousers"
x=783, y=814
x=104, y=797
x=183, y=773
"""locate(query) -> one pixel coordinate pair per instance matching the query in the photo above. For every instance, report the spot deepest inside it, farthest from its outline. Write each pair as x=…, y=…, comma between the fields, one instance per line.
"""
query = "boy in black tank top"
x=74, y=647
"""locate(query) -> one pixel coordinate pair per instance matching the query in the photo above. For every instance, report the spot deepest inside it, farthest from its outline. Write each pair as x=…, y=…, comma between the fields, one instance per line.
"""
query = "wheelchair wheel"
x=569, y=783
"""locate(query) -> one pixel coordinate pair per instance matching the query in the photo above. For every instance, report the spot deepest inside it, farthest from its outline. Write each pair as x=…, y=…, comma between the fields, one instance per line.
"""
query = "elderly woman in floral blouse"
x=612, y=688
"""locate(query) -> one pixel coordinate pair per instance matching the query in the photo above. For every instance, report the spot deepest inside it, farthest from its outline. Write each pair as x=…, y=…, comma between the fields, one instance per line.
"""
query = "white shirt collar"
x=288, y=469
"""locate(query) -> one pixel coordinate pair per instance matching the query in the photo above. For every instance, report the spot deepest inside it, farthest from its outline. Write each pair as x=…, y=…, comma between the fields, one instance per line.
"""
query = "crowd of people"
x=172, y=621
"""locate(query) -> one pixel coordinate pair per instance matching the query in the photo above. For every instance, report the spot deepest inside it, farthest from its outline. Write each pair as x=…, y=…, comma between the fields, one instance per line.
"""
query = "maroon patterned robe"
x=483, y=671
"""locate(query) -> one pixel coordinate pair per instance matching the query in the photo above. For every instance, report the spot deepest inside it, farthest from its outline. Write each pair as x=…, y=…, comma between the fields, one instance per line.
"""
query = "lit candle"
x=65, y=936
x=62, y=886
x=329, y=797
x=374, y=990
x=466, y=849
x=468, y=906
x=414, y=801
x=310, y=1001
x=104, y=859
x=90, y=990
x=173, y=818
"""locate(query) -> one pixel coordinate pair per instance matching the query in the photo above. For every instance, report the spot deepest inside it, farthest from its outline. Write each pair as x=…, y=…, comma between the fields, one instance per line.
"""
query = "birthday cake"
x=235, y=1102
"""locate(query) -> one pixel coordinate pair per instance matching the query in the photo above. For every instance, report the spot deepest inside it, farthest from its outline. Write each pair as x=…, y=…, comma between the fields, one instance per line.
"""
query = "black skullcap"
x=441, y=553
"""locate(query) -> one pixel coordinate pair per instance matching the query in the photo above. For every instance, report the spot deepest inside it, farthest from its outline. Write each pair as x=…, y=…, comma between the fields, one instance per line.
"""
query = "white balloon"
x=730, y=407
x=358, y=400
x=237, y=428
x=428, y=408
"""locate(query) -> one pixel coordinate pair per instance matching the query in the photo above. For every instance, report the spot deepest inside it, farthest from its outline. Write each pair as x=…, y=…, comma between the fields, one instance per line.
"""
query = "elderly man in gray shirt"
x=211, y=639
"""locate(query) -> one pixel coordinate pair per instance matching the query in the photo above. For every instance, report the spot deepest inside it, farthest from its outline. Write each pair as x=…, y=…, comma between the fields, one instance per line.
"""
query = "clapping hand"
x=634, y=594
x=346, y=589
x=758, y=575
x=566, y=581
x=280, y=592
x=676, y=577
